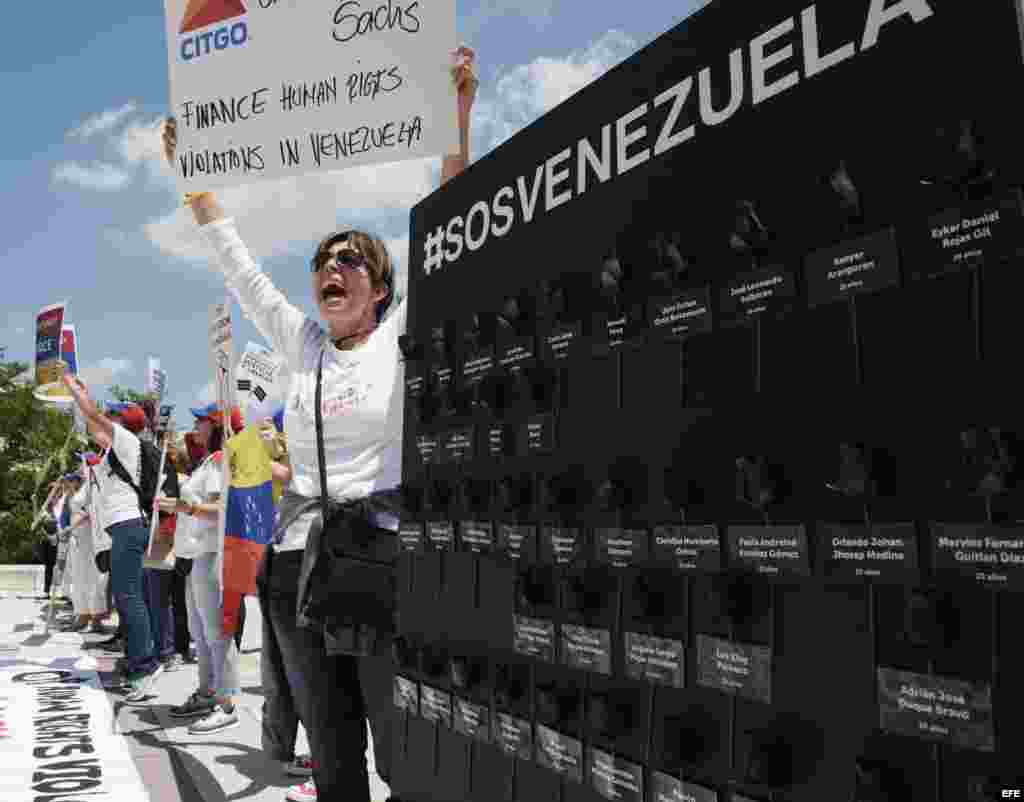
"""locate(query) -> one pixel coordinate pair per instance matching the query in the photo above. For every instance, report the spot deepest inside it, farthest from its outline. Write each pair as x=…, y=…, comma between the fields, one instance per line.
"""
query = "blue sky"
x=92, y=216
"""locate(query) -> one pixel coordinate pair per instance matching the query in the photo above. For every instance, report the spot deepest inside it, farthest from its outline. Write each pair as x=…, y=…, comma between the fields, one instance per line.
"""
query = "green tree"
x=126, y=395
x=36, y=442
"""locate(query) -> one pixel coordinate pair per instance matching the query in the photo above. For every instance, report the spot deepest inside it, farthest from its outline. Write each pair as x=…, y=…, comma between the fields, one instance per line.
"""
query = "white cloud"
x=278, y=217
x=524, y=93
x=102, y=122
x=104, y=371
x=101, y=176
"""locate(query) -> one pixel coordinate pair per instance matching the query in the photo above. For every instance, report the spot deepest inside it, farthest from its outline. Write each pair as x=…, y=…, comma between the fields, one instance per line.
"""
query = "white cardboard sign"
x=265, y=89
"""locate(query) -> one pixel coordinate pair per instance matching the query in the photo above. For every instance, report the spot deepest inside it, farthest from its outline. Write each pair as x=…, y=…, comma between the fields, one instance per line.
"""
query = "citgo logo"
x=204, y=13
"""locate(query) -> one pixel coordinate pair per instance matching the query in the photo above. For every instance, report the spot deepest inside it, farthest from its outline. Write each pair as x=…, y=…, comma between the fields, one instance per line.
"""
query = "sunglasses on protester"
x=343, y=260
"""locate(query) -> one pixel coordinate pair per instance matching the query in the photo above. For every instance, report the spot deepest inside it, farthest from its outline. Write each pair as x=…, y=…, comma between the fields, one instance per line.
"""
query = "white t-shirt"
x=363, y=389
x=118, y=501
x=195, y=536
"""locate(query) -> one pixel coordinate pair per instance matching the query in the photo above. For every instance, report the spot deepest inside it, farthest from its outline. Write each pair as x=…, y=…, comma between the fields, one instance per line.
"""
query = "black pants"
x=182, y=637
x=241, y=625
x=332, y=696
x=49, y=561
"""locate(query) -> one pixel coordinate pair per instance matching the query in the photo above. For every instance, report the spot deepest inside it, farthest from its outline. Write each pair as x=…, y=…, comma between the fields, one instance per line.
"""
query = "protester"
x=202, y=498
x=127, y=528
x=88, y=585
x=331, y=681
x=182, y=567
x=48, y=545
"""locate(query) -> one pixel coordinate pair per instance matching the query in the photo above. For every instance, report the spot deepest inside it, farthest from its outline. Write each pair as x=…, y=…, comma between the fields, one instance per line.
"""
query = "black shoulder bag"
x=348, y=574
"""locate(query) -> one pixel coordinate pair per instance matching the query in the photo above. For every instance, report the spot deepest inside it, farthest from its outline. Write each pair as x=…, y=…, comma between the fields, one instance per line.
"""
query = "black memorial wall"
x=712, y=426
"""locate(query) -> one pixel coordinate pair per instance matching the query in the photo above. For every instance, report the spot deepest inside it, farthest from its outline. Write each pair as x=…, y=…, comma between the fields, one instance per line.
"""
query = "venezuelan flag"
x=249, y=520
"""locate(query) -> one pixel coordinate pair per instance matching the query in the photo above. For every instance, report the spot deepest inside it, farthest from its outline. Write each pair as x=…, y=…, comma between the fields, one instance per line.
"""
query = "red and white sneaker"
x=302, y=793
x=301, y=766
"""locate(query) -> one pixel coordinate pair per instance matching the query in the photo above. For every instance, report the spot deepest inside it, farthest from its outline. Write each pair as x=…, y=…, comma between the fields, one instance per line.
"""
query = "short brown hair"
x=378, y=261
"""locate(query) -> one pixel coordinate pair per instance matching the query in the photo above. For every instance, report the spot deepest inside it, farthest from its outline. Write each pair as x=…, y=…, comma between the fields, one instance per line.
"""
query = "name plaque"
x=665, y=788
x=768, y=291
x=951, y=711
x=534, y=637
x=459, y=445
x=735, y=668
x=863, y=265
x=560, y=545
x=560, y=753
x=680, y=316
x=977, y=233
x=660, y=661
x=476, y=536
x=514, y=736
x=518, y=541
x=587, y=649
x=879, y=553
x=441, y=535
x=436, y=706
x=615, y=778
x=428, y=446
x=770, y=550
x=688, y=548
x=560, y=341
x=410, y=538
x=472, y=720
x=407, y=695
x=621, y=548
x=989, y=555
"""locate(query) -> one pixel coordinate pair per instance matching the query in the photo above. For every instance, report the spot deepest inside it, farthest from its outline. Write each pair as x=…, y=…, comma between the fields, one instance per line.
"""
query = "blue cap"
x=205, y=412
x=117, y=408
x=278, y=417
x=69, y=476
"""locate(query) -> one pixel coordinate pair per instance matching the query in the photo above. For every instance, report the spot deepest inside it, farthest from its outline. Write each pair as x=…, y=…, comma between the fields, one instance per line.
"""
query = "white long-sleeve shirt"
x=363, y=389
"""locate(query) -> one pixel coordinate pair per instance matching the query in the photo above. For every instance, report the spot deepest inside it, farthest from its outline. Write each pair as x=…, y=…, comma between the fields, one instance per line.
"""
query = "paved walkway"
x=136, y=747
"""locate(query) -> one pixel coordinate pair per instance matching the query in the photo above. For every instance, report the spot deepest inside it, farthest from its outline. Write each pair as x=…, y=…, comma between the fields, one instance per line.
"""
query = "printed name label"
x=977, y=233
x=621, y=548
x=410, y=536
x=615, y=778
x=560, y=753
x=476, y=536
x=737, y=668
x=587, y=649
x=863, y=265
x=668, y=789
x=441, y=535
x=537, y=435
x=514, y=736
x=560, y=545
x=407, y=695
x=656, y=660
x=534, y=637
x=681, y=316
x=769, y=291
x=559, y=341
x=459, y=445
x=477, y=366
x=880, y=553
x=436, y=706
x=989, y=555
x=429, y=448
x=936, y=708
x=689, y=548
x=770, y=550
x=518, y=541
x=472, y=720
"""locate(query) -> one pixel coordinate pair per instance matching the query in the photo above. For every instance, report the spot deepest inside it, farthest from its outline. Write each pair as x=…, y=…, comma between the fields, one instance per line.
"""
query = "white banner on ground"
x=58, y=740
x=273, y=88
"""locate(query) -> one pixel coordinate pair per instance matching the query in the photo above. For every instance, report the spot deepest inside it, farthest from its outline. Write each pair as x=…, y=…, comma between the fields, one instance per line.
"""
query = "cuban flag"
x=249, y=520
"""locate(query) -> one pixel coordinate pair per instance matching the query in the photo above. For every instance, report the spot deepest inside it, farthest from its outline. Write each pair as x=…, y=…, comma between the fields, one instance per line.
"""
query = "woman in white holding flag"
x=331, y=678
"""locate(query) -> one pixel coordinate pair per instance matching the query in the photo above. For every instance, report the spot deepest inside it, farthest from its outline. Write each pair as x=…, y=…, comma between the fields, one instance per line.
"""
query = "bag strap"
x=117, y=468
x=318, y=417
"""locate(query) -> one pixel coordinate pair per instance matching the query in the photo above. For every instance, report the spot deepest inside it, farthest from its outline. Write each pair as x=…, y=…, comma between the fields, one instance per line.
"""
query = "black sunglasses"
x=343, y=259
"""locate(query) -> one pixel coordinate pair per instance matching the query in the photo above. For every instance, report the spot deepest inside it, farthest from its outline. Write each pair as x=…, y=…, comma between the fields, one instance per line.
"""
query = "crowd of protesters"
x=328, y=625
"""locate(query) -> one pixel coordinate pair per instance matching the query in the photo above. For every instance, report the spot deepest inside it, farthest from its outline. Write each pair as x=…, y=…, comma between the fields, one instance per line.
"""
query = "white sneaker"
x=143, y=687
x=301, y=766
x=217, y=721
x=302, y=793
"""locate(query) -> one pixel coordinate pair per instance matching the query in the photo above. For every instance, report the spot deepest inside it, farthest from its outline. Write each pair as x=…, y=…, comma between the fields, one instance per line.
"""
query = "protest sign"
x=60, y=740
x=69, y=349
x=263, y=89
x=49, y=325
x=221, y=347
x=156, y=379
x=260, y=374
